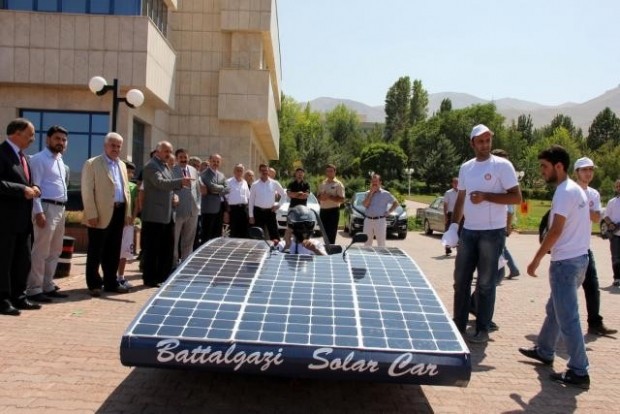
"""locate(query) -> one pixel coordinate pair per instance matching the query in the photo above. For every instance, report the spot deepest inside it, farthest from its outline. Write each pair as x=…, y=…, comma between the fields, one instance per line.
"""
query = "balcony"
x=246, y=95
x=57, y=49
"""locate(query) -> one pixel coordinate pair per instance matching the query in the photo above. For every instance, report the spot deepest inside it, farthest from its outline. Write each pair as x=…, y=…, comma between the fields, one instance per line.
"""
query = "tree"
x=565, y=122
x=440, y=163
x=385, y=159
x=605, y=128
x=343, y=126
x=397, y=103
x=525, y=126
x=418, y=108
x=445, y=106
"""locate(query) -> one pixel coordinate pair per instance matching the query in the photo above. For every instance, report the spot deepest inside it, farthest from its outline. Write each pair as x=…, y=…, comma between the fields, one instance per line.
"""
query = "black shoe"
x=493, y=327
x=152, y=284
x=570, y=378
x=95, y=293
x=513, y=275
x=601, y=330
x=56, y=294
x=25, y=304
x=480, y=337
x=448, y=251
x=533, y=353
x=6, y=308
x=39, y=297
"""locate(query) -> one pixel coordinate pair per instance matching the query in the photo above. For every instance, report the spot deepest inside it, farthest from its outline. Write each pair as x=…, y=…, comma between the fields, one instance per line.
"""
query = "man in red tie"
x=16, y=195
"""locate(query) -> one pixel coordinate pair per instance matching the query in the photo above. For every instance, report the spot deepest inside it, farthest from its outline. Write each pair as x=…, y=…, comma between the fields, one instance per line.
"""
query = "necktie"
x=185, y=172
x=22, y=159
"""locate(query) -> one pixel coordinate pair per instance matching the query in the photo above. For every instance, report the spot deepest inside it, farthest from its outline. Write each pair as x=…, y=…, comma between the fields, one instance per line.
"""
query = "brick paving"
x=65, y=357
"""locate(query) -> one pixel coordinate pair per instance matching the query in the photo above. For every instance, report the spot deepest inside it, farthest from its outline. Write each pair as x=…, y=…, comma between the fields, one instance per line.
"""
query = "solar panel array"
x=236, y=296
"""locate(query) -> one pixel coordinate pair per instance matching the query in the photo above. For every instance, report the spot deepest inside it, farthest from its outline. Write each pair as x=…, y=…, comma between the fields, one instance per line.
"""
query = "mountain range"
x=582, y=114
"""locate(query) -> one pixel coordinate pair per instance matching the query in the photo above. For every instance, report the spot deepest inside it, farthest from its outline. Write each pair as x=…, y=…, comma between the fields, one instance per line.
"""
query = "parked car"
x=433, y=217
x=354, y=213
x=282, y=212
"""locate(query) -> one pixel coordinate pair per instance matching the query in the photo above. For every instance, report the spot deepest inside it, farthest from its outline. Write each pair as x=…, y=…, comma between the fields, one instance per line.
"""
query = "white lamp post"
x=133, y=99
x=409, y=172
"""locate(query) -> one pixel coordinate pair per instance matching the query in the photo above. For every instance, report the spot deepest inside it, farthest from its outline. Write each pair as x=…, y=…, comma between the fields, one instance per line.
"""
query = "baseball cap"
x=584, y=162
x=479, y=130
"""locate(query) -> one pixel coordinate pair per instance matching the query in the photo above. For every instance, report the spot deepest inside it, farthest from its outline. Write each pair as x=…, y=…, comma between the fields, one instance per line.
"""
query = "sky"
x=545, y=51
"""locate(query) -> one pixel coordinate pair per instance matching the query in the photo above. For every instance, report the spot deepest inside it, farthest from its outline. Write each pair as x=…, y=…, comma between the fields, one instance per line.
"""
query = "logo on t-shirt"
x=487, y=176
x=591, y=203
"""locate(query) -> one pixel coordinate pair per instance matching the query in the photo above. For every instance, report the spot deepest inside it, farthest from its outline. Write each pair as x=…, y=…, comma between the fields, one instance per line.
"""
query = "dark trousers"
x=614, y=246
x=330, y=218
x=266, y=217
x=158, y=251
x=104, y=249
x=14, y=264
x=211, y=225
x=238, y=222
x=593, y=295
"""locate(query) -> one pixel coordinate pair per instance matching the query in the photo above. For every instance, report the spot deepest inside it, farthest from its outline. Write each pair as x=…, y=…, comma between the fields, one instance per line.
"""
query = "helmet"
x=302, y=221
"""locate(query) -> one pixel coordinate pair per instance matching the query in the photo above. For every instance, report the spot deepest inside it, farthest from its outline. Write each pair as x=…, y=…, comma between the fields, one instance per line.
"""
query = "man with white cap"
x=584, y=172
x=486, y=185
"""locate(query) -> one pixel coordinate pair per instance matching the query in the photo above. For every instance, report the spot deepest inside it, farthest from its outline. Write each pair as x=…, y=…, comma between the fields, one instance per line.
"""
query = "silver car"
x=282, y=212
x=434, y=218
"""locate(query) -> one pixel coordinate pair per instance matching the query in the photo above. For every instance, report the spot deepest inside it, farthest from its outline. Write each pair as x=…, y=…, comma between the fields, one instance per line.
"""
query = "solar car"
x=238, y=306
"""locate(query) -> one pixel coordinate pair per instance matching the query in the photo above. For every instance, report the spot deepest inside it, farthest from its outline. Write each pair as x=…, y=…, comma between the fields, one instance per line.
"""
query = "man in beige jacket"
x=105, y=194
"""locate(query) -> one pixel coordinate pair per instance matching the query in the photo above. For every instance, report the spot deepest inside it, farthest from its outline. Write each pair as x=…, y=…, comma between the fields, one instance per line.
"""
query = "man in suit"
x=188, y=209
x=16, y=194
x=158, y=215
x=107, y=209
x=213, y=187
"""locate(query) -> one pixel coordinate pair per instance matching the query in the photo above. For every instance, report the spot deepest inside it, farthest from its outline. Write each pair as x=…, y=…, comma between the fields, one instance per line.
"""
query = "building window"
x=117, y=7
x=137, y=150
x=86, y=133
x=156, y=10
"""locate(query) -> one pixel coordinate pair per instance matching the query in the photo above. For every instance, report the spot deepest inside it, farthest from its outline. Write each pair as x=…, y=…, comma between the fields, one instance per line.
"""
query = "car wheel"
x=402, y=235
x=427, y=227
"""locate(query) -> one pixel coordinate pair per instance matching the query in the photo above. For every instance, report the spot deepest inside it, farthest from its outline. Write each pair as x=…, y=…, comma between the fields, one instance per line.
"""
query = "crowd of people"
x=479, y=219
x=183, y=201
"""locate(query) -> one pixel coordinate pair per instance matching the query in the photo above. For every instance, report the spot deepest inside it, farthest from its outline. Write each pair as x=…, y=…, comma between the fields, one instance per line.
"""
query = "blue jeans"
x=565, y=277
x=478, y=249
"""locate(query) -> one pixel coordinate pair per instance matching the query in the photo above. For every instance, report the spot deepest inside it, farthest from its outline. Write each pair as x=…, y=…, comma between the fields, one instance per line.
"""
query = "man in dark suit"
x=213, y=187
x=16, y=194
x=158, y=215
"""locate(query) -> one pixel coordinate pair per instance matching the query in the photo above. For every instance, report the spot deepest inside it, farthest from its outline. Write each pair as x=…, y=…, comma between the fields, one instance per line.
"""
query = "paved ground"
x=65, y=358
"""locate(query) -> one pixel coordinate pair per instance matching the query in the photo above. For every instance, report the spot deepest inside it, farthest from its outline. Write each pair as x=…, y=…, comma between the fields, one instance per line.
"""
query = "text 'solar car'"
x=354, y=213
x=434, y=218
x=282, y=212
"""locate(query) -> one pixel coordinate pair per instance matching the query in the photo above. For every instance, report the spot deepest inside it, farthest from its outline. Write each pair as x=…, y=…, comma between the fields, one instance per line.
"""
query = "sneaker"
x=493, y=327
x=125, y=282
x=616, y=283
x=480, y=337
x=533, y=353
x=570, y=378
x=601, y=330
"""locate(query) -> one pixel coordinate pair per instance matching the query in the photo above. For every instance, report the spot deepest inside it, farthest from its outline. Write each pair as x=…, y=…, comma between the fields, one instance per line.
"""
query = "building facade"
x=209, y=70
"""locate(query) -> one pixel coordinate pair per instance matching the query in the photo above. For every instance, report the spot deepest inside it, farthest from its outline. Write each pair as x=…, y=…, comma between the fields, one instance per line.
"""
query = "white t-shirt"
x=495, y=175
x=570, y=201
x=613, y=212
x=594, y=199
x=449, y=199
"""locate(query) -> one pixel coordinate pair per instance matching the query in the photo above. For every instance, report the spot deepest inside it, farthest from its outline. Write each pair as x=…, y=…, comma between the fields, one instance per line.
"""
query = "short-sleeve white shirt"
x=571, y=202
x=494, y=175
x=612, y=211
x=594, y=199
x=449, y=199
